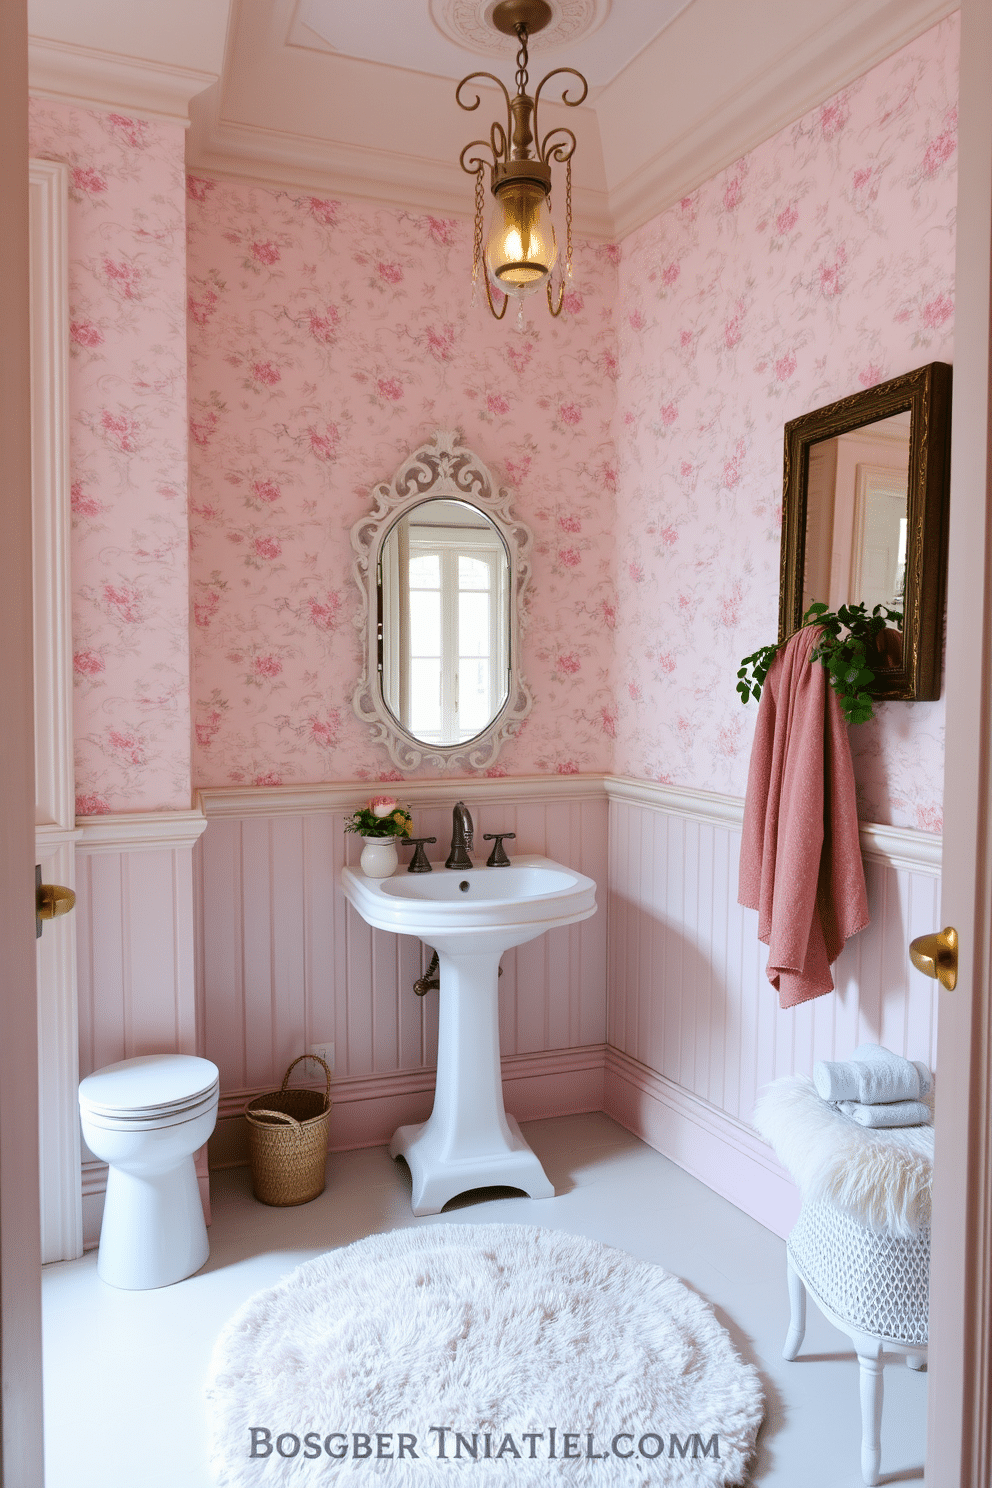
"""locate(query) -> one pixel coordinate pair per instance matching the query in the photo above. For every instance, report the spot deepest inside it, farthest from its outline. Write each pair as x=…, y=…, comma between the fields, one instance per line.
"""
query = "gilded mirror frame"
x=926, y=394
x=443, y=468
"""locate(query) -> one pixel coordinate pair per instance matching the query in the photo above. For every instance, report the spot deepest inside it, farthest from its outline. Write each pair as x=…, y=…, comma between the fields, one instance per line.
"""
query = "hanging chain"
x=477, y=243
x=568, y=219
x=521, y=78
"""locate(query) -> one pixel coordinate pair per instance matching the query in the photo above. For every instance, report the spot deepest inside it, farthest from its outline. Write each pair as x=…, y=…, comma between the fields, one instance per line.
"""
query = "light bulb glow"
x=522, y=248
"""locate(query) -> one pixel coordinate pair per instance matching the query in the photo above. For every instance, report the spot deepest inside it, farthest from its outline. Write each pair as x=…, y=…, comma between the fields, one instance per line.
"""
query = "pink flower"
x=870, y=375
x=666, y=661
x=197, y=189
x=937, y=311
x=128, y=745
x=833, y=116
x=324, y=731
x=573, y=302
x=202, y=429
x=200, y=310
x=669, y=536
x=392, y=273
x=570, y=413
x=496, y=403
x=85, y=178
x=323, y=613
x=929, y=819
x=730, y=607
x=265, y=252
x=265, y=490
x=670, y=274
x=609, y=613
x=92, y=805
x=634, y=690
x=206, y=608
x=120, y=430
x=264, y=372
x=637, y=321
x=88, y=663
x=732, y=331
x=732, y=466
x=266, y=666
x=570, y=523
x=685, y=339
x=266, y=547
x=688, y=207
x=733, y=192
x=612, y=252
x=134, y=132
x=126, y=600
x=939, y=150
x=568, y=663
x=570, y=557
x=324, y=327
x=608, y=722
x=785, y=367
x=441, y=343
x=669, y=413
x=122, y=276
x=496, y=772
x=566, y=767
x=268, y=778
x=85, y=333
x=83, y=505
x=786, y=220
x=608, y=475
x=206, y=731
x=391, y=388
x=324, y=446
x=382, y=805
x=323, y=211
x=831, y=282
x=443, y=230
x=609, y=364
x=636, y=572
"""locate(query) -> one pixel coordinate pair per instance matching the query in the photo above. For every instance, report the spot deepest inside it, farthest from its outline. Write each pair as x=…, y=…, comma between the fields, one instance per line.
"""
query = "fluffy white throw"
x=872, y=1075
x=882, y=1178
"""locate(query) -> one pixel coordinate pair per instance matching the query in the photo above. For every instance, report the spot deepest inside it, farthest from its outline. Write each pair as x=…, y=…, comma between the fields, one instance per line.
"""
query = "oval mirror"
x=443, y=566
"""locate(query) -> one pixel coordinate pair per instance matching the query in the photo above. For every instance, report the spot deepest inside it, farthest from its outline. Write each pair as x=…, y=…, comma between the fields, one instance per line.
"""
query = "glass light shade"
x=522, y=248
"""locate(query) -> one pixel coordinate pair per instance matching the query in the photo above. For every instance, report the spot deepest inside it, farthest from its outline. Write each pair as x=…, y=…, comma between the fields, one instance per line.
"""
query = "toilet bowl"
x=146, y=1117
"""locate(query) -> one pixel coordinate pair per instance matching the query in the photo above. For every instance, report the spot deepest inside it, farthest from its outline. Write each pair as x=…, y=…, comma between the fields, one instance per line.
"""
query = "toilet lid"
x=152, y=1083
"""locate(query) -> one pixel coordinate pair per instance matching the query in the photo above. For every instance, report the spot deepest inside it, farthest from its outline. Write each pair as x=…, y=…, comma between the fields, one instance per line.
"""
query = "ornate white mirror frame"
x=443, y=468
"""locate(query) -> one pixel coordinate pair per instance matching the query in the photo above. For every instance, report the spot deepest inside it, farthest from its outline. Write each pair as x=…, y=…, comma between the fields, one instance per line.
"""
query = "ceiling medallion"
x=521, y=250
x=469, y=24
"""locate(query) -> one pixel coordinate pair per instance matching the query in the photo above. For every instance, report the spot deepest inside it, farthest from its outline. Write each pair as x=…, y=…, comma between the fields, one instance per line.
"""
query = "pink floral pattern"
x=821, y=263
x=127, y=396
x=326, y=339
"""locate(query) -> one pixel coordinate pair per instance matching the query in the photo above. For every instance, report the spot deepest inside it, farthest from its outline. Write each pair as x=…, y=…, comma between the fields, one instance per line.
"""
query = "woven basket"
x=287, y=1141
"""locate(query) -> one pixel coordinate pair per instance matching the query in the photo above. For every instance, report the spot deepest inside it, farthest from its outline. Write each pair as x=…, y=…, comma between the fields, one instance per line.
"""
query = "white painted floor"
x=124, y=1370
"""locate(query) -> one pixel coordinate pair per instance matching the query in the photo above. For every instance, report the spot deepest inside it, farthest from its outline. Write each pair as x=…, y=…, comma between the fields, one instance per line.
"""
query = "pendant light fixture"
x=521, y=249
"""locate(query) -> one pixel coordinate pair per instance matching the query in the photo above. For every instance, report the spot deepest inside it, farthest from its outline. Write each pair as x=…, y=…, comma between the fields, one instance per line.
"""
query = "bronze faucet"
x=462, y=832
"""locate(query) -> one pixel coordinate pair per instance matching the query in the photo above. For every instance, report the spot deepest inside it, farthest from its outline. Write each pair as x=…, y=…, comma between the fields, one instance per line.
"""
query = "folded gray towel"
x=892, y=1113
x=873, y=1076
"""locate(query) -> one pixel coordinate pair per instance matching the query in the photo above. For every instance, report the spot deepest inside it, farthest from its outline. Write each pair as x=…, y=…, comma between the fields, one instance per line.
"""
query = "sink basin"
x=470, y=916
x=494, y=908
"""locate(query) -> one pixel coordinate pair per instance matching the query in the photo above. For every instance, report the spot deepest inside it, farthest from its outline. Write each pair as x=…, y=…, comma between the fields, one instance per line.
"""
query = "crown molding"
x=67, y=73
x=794, y=83
x=136, y=831
x=223, y=147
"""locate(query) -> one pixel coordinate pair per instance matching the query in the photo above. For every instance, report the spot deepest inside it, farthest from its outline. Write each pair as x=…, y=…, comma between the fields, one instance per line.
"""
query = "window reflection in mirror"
x=857, y=521
x=444, y=605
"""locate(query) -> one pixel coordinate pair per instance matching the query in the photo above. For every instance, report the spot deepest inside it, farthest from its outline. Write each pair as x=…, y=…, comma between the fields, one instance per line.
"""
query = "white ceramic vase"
x=379, y=857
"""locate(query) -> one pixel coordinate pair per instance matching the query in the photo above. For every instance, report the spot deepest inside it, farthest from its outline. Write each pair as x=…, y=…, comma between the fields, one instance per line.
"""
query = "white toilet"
x=146, y=1117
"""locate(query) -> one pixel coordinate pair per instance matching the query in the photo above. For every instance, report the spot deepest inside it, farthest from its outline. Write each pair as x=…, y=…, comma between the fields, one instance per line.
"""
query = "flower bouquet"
x=381, y=817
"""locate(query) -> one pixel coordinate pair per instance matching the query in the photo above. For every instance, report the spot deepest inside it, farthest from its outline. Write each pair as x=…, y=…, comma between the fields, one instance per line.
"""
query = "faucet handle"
x=497, y=858
x=419, y=863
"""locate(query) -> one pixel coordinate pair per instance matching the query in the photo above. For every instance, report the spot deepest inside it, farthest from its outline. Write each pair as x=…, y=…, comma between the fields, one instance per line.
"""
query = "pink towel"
x=801, y=865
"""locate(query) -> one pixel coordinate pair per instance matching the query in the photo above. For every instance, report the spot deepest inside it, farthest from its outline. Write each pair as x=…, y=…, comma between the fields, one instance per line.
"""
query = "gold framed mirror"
x=864, y=520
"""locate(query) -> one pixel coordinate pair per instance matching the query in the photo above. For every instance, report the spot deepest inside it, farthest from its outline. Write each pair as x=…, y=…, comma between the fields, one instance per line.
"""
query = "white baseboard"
x=367, y=1109
x=723, y=1153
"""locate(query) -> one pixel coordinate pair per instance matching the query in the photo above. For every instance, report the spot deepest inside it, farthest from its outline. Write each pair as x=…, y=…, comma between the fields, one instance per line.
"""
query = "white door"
x=959, y=1451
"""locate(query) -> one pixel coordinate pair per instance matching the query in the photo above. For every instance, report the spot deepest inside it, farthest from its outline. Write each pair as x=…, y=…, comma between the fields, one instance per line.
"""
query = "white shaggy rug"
x=552, y=1357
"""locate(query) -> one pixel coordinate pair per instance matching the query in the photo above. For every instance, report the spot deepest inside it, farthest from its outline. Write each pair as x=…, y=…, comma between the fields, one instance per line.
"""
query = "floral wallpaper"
x=127, y=404
x=326, y=339
x=819, y=264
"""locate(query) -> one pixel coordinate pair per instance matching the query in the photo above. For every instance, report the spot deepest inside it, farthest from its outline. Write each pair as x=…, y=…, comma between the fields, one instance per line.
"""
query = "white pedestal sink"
x=470, y=917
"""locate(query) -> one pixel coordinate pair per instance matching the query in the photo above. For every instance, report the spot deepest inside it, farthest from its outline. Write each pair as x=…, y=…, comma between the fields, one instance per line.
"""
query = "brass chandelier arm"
x=497, y=314
x=563, y=150
x=568, y=102
x=471, y=107
x=472, y=164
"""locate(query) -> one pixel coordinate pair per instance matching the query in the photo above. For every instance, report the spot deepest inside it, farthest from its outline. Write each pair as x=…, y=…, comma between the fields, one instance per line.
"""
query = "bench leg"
x=871, y=1365
x=797, y=1314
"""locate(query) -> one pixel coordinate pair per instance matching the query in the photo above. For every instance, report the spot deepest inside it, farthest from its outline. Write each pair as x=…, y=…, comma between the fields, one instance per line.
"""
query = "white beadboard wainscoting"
x=134, y=938
x=695, y=1029
x=284, y=962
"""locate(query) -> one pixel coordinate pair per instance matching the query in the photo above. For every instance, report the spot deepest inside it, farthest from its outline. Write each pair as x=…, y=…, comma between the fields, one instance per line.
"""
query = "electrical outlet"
x=324, y=1052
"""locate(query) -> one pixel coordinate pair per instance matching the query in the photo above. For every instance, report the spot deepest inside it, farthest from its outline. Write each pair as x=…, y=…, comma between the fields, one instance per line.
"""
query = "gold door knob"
x=937, y=956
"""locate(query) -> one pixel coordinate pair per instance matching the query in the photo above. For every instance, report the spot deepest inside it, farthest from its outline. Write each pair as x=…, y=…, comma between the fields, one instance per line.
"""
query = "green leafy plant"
x=381, y=817
x=845, y=647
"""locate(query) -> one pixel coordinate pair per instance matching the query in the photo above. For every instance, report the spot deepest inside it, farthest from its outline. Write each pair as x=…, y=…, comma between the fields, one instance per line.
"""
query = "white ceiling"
x=410, y=33
x=364, y=106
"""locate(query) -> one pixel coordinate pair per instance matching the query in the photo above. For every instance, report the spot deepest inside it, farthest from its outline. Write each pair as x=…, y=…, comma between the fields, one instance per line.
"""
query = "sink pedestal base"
x=468, y=1141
